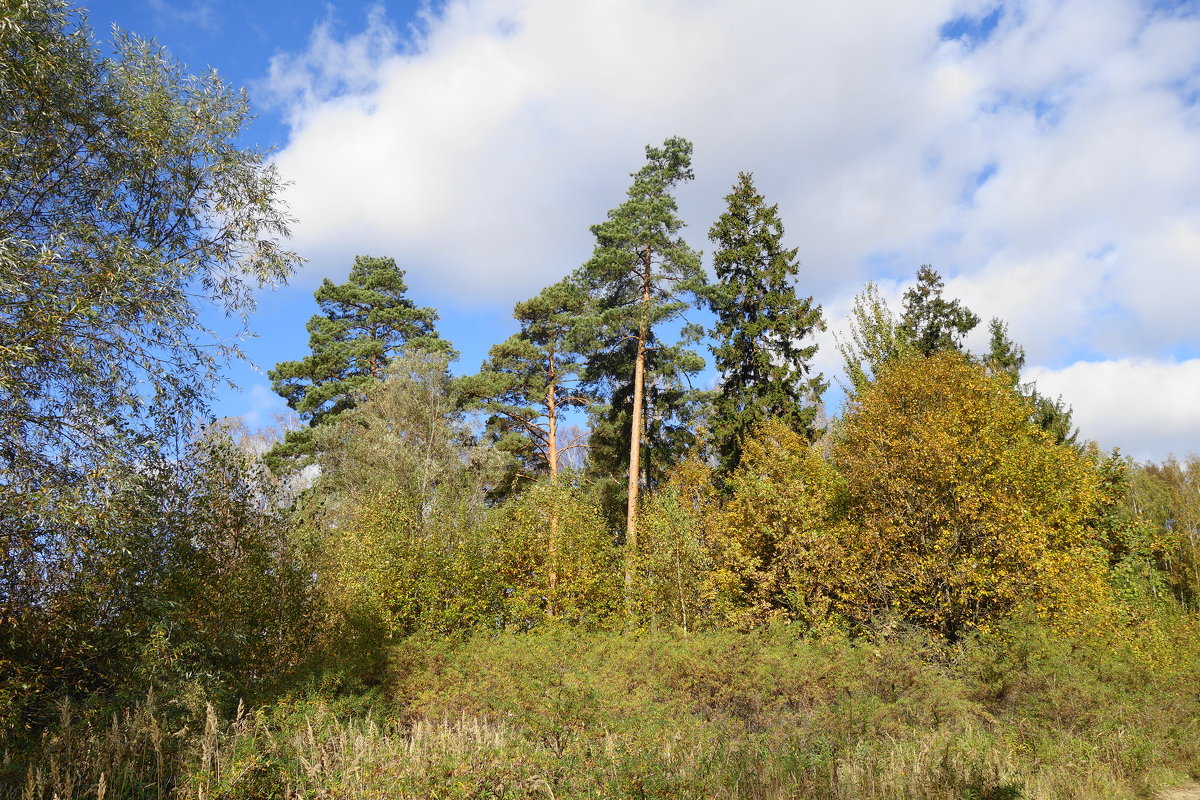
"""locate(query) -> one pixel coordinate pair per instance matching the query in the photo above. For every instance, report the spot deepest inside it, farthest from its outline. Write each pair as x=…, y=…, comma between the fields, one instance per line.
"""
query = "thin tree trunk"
x=552, y=457
x=635, y=434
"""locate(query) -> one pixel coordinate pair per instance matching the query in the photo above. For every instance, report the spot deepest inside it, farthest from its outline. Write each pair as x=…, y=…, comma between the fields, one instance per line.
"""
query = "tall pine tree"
x=365, y=323
x=532, y=378
x=638, y=276
x=763, y=335
x=527, y=383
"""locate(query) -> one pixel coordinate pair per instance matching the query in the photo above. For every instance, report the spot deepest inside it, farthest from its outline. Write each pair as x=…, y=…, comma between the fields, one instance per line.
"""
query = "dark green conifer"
x=763, y=335
x=1008, y=358
x=1004, y=356
x=930, y=322
x=365, y=323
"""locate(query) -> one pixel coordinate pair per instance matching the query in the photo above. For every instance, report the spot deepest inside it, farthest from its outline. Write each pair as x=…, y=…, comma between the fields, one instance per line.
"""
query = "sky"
x=1043, y=156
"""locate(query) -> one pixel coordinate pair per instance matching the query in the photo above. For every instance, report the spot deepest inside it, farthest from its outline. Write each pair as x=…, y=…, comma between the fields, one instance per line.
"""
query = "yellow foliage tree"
x=551, y=556
x=778, y=539
x=396, y=516
x=672, y=576
x=960, y=508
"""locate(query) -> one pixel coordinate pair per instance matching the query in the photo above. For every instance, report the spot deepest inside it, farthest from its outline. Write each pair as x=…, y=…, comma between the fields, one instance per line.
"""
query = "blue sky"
x=1043, y=155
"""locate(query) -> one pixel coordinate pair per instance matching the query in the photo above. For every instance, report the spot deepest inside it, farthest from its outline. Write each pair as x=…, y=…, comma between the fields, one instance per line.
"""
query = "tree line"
x=600, y=340
x=949, y=493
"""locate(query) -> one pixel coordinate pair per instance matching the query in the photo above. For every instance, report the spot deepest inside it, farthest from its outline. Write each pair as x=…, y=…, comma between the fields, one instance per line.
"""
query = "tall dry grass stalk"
x=314, y=752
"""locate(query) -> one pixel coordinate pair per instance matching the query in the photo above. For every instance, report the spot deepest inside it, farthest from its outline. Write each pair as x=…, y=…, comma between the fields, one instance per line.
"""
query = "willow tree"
x=638, y=276
x=128, y=209
x=127, y=206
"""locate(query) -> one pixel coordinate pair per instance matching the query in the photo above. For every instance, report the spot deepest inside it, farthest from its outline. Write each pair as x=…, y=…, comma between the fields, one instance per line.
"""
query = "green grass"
x=564, y=713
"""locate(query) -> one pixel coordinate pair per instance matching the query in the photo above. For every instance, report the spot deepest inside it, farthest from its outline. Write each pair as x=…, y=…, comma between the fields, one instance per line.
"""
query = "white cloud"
x=1147, y=408
x=264, y=408
x=199, y=13
x=1050, y=170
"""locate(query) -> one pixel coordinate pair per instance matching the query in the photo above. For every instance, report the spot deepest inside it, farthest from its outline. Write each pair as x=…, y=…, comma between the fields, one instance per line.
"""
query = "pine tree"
x=639, y=273
x=932, y=323
x=530, y=379
x=761, y=327
x=527, y=383
x=366, y=322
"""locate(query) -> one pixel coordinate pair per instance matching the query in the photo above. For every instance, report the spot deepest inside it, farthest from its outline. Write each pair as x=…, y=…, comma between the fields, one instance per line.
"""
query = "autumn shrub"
x=897, y=712
x=672, y=569
x=179, y=579
x=959, y=508
x=778, y=538
x=395, y=520
x=1165, y=498
x=1111, y=702
x=550, y=557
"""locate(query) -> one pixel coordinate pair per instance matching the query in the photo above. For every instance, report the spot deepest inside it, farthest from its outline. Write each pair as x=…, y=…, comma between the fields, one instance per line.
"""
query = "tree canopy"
x=930, y=322
x=127, y=205
x=531, y=379
x=365, y=323
x=136, y=547
x=962, y=507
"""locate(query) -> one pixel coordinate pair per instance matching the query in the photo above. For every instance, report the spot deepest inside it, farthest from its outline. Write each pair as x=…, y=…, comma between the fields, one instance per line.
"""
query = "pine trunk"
x=635, y=434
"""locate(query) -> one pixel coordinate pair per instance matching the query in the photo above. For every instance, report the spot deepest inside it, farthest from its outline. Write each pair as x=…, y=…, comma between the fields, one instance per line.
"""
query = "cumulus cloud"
x=1147, y=408
x=1044, y=155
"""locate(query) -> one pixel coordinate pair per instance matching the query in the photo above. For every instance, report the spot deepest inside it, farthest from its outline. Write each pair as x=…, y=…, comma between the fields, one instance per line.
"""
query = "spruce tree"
x=365, y=323
x=762, y=327
x=930, y=322
x=638, y=275
x=1006, y=357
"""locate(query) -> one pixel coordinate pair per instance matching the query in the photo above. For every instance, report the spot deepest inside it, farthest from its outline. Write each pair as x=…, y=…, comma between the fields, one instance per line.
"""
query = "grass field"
x=564, y=713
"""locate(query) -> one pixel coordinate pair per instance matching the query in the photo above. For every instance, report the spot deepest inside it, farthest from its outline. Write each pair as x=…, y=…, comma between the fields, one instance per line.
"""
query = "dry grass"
x=572, y=715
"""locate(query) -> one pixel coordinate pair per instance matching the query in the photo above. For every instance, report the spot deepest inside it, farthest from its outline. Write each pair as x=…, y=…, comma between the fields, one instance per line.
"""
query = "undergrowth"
x=563, y=713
